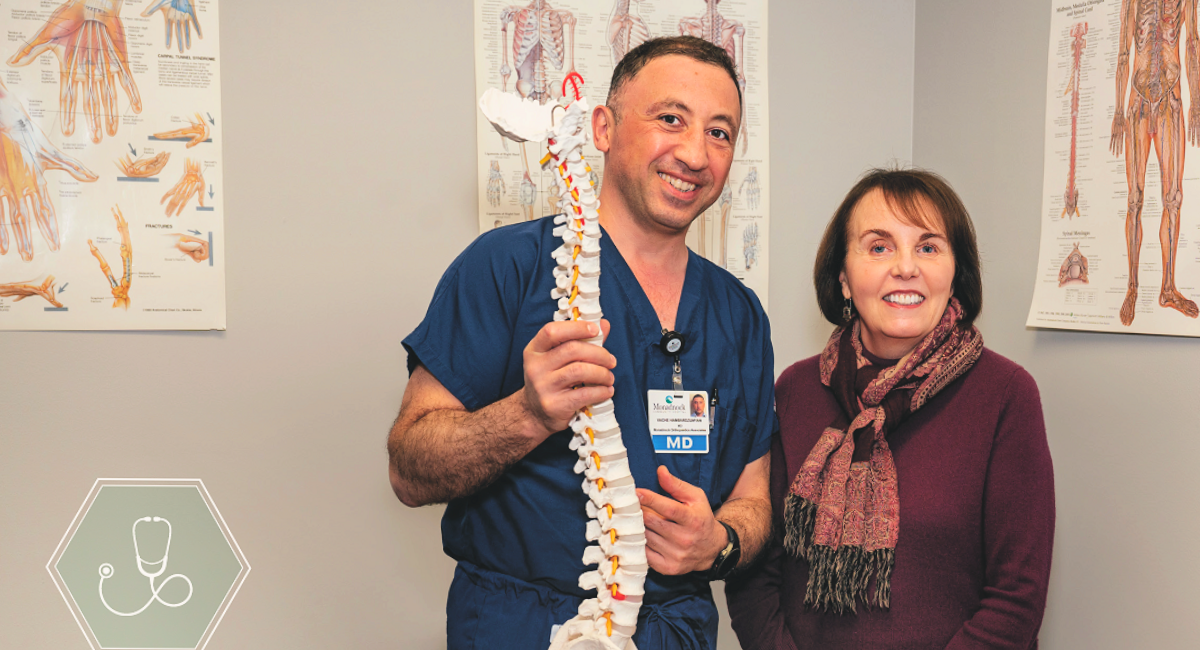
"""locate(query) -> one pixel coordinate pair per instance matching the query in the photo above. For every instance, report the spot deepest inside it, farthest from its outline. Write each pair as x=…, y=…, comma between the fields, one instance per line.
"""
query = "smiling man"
x=483, y=422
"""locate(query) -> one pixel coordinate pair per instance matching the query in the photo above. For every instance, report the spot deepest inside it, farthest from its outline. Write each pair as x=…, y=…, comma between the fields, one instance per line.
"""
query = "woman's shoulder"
x=995, y=367
x=804, y=374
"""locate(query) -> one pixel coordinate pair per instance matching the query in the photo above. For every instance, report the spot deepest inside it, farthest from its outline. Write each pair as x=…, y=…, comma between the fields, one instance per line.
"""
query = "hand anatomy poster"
x=110, y=165
x=1120, y=248
x=531, y=47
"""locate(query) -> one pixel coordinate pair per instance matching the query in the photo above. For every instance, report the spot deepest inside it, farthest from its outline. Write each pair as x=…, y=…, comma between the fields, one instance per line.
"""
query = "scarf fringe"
x=838, y=577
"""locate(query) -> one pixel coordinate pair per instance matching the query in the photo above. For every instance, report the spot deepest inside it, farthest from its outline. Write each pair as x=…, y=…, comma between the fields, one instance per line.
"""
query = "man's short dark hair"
x=694, y=48
x=907, y=192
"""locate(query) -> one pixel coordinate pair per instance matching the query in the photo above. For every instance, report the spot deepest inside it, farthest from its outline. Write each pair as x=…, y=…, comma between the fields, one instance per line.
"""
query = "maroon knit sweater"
x=976, y=522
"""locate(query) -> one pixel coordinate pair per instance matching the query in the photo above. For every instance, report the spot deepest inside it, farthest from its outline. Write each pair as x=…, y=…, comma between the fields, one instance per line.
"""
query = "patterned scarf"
x=843, y=517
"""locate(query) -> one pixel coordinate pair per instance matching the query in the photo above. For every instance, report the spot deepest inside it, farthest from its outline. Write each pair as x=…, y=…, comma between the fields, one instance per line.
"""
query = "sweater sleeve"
x=1018, y=526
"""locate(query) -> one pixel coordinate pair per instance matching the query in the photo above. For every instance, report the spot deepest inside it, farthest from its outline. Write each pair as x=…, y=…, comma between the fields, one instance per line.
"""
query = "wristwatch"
x=729, y=556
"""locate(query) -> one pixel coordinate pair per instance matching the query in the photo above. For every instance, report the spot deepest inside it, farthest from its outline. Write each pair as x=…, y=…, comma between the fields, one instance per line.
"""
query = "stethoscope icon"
x=106, y=572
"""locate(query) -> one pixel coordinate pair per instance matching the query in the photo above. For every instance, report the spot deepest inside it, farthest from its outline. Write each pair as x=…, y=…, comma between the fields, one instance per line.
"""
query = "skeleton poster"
x=531, y=47
x=111, y=213
x=1120, y=246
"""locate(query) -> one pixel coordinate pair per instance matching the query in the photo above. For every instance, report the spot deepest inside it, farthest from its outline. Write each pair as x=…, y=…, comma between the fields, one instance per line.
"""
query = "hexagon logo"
x=148, y=564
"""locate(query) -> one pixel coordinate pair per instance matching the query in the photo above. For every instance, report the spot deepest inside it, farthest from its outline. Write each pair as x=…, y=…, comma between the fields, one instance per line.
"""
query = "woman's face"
x=899, y=276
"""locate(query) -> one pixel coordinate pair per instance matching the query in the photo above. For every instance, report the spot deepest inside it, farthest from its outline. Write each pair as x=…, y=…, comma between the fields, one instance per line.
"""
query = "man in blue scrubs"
x=493, y=383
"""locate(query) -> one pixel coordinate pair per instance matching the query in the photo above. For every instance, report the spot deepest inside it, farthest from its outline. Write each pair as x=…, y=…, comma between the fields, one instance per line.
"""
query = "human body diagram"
x=729, y=35
x=1151, y=31
x=96, y=110
x=1071, y=195
x=626, y=29
x=543, y=42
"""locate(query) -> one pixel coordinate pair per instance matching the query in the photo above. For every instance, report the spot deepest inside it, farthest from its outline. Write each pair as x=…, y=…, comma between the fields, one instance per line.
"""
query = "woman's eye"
x=928, y=249
x=878, y=248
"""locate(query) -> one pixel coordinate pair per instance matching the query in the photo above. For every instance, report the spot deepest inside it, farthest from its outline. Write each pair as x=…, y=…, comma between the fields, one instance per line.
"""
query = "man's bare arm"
x=684, y=535
x=438, y=451
x=748, y=509
x=1117, y=144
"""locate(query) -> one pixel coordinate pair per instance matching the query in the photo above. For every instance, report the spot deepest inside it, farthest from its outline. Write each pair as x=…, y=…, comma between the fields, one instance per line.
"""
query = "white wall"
x=1120, y=409
x=350, y=180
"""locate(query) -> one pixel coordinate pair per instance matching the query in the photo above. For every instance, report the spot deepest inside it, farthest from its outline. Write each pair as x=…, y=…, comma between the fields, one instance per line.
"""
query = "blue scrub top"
x=529, y=523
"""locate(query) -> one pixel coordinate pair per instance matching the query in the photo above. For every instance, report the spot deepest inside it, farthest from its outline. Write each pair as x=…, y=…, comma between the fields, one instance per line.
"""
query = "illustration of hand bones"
x=120, y=290
x=25, y=154
x=143, y=168
x=193, y=247
x=1074, y=268
x=721, y=31
x=750, y=245
x=495, y=184
x=23, y=290
x=197, y=131
x=1071, y=195
x=625, y=31
x=192, y=182
x=608, y=621
x=753, y=193
x=178, y=14
x=88, y=38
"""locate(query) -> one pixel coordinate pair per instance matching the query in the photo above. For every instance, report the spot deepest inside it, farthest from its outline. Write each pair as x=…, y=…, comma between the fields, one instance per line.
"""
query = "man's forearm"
x=751, y=518
x=446, y=454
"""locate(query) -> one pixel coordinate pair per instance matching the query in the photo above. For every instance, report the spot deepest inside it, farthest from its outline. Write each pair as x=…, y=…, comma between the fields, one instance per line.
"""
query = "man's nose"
x=693, y=150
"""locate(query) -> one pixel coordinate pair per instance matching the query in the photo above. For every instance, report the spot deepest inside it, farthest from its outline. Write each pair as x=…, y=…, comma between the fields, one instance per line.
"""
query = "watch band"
x=727, y=559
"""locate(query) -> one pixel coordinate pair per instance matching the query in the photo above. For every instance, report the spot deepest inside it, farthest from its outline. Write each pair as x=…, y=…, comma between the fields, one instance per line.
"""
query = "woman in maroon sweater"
x=912, y=482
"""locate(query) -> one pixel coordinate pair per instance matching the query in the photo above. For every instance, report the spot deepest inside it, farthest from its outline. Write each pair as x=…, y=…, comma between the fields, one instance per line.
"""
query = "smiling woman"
x=903, y=400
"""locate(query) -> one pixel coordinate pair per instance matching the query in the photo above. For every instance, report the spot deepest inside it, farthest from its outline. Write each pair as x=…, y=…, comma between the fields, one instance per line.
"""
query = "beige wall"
x=350, y=181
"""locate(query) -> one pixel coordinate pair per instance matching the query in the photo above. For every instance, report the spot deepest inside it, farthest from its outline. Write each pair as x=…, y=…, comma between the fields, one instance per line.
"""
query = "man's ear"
x=603, y=121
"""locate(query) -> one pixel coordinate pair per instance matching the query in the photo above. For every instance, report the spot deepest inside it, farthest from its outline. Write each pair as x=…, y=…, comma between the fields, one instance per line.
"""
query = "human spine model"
x=1071, y=196
x=607, y=621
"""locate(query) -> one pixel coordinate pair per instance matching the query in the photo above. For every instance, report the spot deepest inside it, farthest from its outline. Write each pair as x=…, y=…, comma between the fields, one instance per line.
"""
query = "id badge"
x=679, y=421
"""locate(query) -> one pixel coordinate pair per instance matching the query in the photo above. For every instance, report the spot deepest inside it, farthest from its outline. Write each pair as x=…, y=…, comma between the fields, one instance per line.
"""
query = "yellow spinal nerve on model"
x=615, y=527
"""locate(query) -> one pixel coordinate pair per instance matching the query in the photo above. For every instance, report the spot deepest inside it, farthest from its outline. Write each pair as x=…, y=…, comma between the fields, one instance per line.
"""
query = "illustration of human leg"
x=1170, y=143
x=143, y=168
x=528, y=196
x=750, y=184
x=23, y=290
x=1137, y=151
x=191, y=183
x=193, y=247
x=178, y=14
x=25, y=154
x=88, y=38
x=120, y=290
x=196, y=130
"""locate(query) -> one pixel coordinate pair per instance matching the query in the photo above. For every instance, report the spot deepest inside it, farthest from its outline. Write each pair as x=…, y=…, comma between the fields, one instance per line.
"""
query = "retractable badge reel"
x=672, y=344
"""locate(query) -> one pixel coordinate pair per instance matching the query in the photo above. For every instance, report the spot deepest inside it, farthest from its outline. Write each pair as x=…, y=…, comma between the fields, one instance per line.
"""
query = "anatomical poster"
x=111, y=214
x=532, y=48
x=1120, y=246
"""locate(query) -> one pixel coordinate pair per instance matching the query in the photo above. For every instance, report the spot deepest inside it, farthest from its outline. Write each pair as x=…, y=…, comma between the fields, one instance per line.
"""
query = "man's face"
x=668, y=156
x=698, y=405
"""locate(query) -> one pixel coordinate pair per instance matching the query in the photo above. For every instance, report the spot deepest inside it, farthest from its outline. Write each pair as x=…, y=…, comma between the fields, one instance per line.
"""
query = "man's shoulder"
x=513, y=248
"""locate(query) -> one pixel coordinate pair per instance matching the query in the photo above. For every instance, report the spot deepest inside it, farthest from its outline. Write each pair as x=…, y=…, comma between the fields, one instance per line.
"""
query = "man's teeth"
x=682, y=186
x=905, y=298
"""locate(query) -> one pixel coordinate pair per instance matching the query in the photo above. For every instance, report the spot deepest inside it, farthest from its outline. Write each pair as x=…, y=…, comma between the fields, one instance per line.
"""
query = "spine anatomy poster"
x=110, y=166
x=1120, y=248
x=531, y=47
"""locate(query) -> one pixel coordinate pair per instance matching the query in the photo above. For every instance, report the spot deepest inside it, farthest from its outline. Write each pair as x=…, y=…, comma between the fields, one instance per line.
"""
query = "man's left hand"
x=682, y=534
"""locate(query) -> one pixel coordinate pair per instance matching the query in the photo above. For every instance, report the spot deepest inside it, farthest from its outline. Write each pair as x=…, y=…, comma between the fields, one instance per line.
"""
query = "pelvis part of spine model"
x=1071, y=196
x=608, y=621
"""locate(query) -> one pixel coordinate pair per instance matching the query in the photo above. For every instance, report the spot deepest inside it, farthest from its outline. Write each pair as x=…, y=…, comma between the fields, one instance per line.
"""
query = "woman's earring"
x=847, y=313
